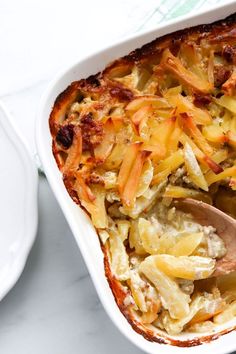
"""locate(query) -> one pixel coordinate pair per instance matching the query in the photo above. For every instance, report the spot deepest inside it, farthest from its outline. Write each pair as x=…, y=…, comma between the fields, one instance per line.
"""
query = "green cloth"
x=169, y=9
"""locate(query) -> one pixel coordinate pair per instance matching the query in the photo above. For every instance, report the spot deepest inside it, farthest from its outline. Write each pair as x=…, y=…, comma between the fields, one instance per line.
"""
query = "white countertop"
x=54, y=309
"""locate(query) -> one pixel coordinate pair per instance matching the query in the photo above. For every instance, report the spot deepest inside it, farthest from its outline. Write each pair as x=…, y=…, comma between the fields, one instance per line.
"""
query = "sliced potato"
x=193, y=169
x=164, y=169
x=145, y=178
x=175, y=326
x=161, y=176
x=123, y=227
x=207, y=161
x=227, y=102
x=174, y=139
x=148, y=236
x=212, y=177
x=135, y=239
x=181, y=192
x=140, y=119
x=172, y=162
x=153, y=100
x=173, y=299
x=115, y=159
x=163, y=131
x=119, y=257
x=184, y=138
x=145, y=202
x=158, y=151
x=128, y=194
x=152, y=314
x=97, y=208
x=104, y=236
x=218, y=157
x=137, y=286
x=127, y=164
x=215, y=134
x=175, y=66
x=192, y=267
x=210, y=308
x=183, y=104
x=231, y=139
x=83, y=190
x=173, y=91
x=196, y=134
x=228, y=314
x=103, y=150
x=186, y=244
x=166, y=242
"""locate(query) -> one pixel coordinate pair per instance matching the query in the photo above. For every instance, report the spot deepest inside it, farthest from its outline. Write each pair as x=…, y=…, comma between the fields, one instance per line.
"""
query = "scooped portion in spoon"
x=224, y=224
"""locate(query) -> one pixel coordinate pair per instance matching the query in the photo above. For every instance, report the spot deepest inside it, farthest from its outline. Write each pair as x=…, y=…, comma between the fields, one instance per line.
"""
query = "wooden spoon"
x=224, y=224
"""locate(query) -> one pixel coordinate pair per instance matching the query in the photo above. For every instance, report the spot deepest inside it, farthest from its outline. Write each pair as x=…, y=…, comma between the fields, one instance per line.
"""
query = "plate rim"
x=31, y=201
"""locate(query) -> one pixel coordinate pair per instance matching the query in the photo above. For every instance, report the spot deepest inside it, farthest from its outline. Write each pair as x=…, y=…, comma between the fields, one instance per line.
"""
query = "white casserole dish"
x=79, y=222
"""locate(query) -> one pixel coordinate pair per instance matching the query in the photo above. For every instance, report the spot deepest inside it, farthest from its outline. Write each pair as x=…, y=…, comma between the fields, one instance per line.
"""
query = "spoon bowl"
x=225, y=226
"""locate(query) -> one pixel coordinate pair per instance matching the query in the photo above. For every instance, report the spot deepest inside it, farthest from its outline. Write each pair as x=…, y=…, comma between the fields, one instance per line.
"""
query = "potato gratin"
x=156, y=125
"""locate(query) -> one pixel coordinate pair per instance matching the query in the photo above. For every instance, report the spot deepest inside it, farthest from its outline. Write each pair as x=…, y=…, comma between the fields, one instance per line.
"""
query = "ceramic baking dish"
x=79, y=222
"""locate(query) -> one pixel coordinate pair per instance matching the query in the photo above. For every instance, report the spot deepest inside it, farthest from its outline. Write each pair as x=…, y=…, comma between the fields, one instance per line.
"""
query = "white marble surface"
x=54, y=308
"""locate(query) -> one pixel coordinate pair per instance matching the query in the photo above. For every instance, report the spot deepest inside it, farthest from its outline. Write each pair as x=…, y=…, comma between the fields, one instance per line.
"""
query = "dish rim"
x=165, y=28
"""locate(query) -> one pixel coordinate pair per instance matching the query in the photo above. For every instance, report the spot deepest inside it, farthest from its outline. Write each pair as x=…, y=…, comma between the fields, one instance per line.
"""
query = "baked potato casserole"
x=157, y=125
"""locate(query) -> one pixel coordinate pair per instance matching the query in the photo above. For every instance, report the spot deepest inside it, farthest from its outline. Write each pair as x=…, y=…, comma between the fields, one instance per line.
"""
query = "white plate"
x=79, y=222
x=18, y=204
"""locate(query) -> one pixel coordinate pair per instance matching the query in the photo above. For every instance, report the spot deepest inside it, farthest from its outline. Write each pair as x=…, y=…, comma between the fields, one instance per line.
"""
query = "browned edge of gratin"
x=120, y=295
